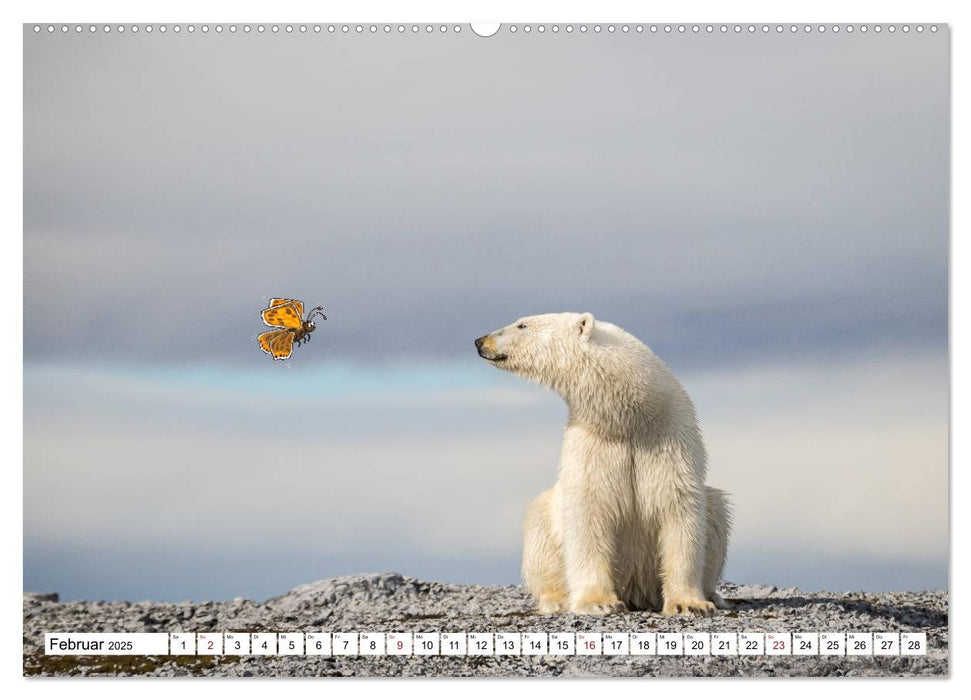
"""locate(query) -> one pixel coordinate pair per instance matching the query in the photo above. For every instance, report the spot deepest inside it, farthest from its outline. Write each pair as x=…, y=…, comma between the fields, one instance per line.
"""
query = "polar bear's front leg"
x=543, y=556
x=681, y=538
x=592, y=495
x=589, y=553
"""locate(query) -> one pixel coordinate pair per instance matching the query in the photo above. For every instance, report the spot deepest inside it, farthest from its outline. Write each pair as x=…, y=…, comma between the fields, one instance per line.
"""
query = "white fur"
x=629, y=522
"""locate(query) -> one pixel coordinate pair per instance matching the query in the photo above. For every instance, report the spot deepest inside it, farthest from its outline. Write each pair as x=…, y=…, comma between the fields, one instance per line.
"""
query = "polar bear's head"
x=543, y=348
x=604, y=373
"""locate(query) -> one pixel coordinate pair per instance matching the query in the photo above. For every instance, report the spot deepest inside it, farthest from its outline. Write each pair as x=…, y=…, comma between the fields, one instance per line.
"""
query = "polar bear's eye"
x=521, y=325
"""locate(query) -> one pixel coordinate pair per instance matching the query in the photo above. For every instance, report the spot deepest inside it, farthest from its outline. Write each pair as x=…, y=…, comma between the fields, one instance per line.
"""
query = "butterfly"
x=286, y=317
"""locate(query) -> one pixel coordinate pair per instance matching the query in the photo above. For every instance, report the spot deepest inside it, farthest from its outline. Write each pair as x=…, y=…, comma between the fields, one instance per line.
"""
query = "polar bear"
x=629, y=522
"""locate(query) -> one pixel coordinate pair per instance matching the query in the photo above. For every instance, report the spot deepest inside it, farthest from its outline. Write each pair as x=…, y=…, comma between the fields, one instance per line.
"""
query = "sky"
x=768, y=213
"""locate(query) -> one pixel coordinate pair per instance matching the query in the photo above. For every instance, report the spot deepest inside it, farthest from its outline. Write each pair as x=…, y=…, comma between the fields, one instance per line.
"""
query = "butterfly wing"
x=285, y=315
x=278, y=343
x=282, y=346
x=280, y=302
x=265, y=338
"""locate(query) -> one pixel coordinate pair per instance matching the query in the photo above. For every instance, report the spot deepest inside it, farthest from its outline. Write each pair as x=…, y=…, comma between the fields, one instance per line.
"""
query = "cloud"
x=427, y=191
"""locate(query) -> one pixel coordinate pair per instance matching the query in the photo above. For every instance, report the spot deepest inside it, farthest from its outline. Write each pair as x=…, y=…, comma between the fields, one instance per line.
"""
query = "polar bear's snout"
x=486, y=346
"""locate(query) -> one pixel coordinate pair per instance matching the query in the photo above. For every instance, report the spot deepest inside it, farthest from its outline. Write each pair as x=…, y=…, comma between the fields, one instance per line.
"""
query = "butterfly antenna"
x=317, y=311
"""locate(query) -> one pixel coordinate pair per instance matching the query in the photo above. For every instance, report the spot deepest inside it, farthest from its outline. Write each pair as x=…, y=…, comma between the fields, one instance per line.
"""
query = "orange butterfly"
x=286, y=315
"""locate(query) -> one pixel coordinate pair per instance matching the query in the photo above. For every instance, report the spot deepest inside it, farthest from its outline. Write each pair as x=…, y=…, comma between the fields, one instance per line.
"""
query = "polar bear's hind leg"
x=716, y=543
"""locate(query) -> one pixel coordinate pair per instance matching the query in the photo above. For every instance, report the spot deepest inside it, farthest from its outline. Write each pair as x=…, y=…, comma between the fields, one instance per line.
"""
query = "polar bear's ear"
x=585, y=325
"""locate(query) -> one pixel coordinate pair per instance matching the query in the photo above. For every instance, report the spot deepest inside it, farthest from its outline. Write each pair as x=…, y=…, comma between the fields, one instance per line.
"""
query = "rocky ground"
x=391, y=602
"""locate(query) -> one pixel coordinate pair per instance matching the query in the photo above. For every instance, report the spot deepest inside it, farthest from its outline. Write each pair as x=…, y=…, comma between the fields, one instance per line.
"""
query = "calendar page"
x=601, y=349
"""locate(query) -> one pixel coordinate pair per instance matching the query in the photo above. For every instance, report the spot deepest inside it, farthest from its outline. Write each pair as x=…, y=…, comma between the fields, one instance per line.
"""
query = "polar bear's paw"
x=688, y=605
x=598, y=605
x=551, y=604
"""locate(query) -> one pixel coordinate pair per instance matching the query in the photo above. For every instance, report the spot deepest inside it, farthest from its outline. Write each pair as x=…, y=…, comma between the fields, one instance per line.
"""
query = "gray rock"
x=43, y=597
x=753, y=591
